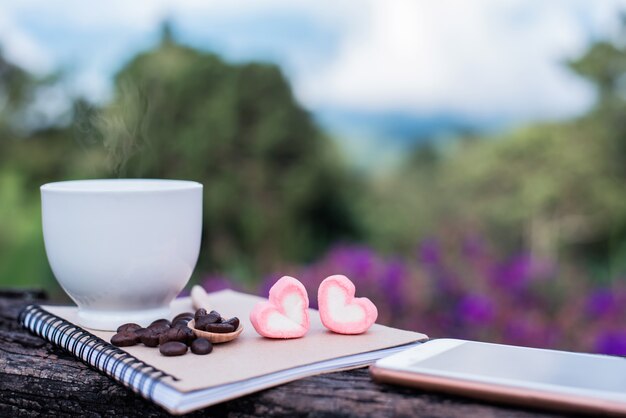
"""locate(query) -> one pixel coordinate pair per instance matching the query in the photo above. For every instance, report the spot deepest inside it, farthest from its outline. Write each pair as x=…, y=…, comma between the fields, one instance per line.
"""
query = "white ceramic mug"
x=122, y=249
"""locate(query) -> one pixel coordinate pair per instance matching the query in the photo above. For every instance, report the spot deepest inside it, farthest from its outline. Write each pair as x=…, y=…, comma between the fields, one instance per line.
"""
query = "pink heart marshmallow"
x=285, y=314
x=340, y=311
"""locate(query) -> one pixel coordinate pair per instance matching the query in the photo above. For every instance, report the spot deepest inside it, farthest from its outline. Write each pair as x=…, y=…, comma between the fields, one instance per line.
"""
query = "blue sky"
x=364, y=68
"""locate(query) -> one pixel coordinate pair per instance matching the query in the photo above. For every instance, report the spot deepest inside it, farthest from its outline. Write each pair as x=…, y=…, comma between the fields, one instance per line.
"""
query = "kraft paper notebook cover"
x=245, y=365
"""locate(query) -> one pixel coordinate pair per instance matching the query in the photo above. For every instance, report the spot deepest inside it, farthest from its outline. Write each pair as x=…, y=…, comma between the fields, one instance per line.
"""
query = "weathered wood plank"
x=38, y=379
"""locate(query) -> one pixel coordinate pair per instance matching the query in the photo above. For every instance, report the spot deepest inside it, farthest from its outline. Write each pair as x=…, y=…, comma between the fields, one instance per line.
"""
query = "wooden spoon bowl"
x=215, y=337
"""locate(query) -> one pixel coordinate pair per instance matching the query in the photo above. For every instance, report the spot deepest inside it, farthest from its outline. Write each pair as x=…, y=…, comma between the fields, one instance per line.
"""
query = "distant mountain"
x=402, y=127
x=376, y=141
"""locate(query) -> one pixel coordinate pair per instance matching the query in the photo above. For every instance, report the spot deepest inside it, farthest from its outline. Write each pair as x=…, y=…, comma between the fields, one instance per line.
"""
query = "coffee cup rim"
x=120, y=186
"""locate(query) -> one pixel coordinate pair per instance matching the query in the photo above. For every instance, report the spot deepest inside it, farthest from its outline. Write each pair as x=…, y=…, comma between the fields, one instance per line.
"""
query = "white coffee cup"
x=122, y=249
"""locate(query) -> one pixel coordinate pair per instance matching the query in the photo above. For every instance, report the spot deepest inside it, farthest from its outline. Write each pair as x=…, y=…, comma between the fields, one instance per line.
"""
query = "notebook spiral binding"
x=91, y=350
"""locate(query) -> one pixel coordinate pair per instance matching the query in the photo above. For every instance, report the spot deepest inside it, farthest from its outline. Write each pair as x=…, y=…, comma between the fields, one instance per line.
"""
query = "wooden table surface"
x=39, y=379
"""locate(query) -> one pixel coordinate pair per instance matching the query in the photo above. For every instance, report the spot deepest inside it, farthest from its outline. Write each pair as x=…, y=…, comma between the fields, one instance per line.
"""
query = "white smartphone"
x=529, y=377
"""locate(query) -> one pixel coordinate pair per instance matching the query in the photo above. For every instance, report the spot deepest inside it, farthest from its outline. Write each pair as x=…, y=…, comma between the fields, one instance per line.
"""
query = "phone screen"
x=523, y=365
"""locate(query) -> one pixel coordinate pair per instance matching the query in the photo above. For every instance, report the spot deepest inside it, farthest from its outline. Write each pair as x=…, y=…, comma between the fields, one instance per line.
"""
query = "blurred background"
x=464, y=163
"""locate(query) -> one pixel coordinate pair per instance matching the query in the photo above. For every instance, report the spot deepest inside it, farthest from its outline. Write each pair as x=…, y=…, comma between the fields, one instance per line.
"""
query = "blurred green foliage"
x=276, y=190
x=555, y=189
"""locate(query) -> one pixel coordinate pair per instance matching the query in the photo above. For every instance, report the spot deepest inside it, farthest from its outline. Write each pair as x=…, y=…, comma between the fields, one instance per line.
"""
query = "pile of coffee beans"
x=172, y=337
x=213, y=322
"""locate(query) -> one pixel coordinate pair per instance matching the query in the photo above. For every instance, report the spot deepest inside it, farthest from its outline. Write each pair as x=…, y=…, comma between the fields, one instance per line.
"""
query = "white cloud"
x=20, y=48
x=482, y=58
x=479, y=58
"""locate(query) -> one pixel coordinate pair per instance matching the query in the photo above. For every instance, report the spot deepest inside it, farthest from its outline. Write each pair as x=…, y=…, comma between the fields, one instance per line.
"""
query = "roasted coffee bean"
x=191, y=337
x=219, y=328
x=128, y=327
x=233, y=321
x=173, y=334
x=200, y=312
x=200, y=323
x=173, y=348
x=124, y=339
x=180, y=323
x=219, y=319
x=149, y=338
x=159, y=328
x=205, y=320
x=188, y=316
x=161, y=321
x=201, y=346
x=139, y=332
x=215, y=317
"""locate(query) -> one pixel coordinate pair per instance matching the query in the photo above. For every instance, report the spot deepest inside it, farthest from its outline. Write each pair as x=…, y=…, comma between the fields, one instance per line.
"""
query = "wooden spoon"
x=215, y=337
x=199, y=299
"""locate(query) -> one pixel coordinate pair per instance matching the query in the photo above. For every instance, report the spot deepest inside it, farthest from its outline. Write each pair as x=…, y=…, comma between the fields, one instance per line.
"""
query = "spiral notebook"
x=246, y=365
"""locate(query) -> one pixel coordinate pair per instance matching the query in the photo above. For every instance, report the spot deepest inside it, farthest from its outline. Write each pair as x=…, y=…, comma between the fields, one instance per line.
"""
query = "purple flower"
x=355, y=261
x=448, y=285
x=611, y=342
x=360, y=264
x=429, y=252
x=267, y=283
x=517, y=331
x=515, y=274
x=601, y=302
x=475, y=309
x=392, y=284
x=216, y=283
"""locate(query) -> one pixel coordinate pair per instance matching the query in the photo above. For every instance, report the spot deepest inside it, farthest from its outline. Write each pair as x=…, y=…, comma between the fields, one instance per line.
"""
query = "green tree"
x=22, y=257
x=274, y=188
